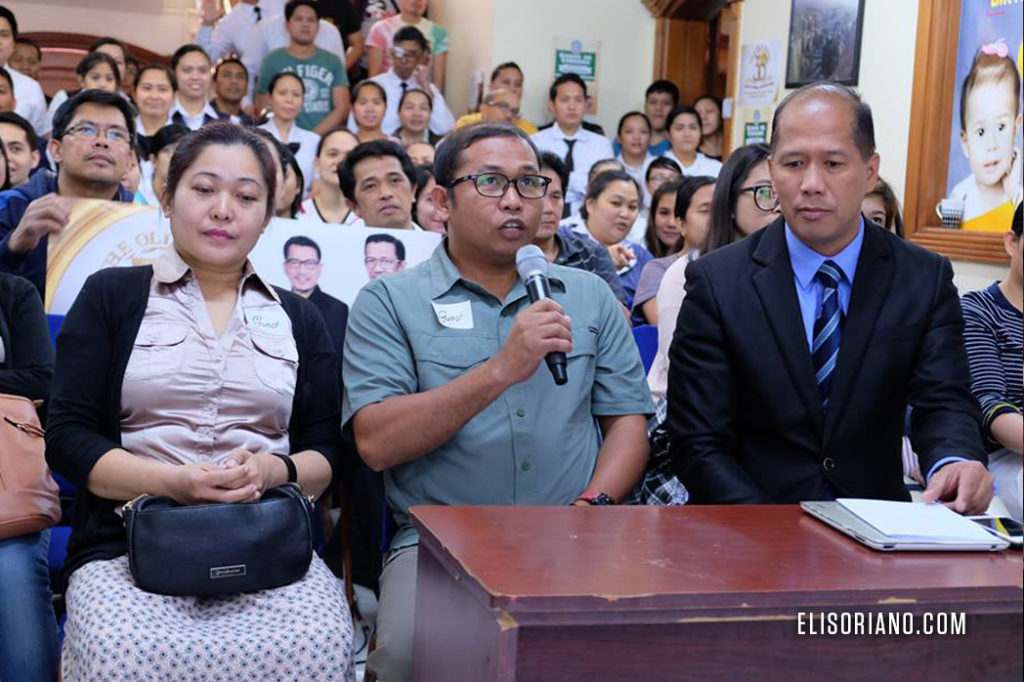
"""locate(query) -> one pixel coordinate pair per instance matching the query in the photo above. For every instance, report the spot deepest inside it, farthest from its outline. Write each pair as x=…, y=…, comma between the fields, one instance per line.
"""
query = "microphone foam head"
x=531, y=260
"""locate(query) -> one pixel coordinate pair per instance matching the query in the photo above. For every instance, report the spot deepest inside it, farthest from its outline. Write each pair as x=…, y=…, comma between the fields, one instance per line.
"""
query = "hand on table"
x=964, y=487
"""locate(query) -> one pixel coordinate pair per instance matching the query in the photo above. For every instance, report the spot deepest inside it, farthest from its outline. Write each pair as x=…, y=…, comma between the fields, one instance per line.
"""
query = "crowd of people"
x=803, y=346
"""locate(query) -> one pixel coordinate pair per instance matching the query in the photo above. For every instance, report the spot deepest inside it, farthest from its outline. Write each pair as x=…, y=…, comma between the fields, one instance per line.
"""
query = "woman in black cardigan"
x=193, y=378
x=29, y=648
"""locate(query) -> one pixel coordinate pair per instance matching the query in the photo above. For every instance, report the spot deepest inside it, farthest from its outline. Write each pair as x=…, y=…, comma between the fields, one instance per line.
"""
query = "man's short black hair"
x=9, y=16
x=501, y=67
x=450, y=150
x=411, y=34
x=374, y=149
x=66, y=111
x=661, y=162
x=289, y=9
x=562, y=80
x=863, y=123
x=107, y=40
x=184, y=50
x=301, y=240
x=381, y=238
x=553, y=162
x=6, y=75
x=16, y=120
x=230, y=60
x=31, y=43
x=665, y=86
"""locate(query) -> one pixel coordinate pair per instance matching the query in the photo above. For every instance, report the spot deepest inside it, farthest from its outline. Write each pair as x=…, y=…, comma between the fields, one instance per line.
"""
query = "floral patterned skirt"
x=116, y=631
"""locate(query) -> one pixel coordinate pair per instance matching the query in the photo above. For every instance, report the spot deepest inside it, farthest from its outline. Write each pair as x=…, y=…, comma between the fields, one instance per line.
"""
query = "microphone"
x=533, y=270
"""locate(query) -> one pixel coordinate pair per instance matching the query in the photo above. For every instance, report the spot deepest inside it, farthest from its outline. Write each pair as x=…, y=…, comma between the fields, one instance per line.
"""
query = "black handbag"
x=208, y=550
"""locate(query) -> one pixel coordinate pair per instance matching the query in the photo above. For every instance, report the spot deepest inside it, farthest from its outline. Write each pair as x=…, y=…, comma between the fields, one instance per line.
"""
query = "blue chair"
x=55, y=322
x=646, y=337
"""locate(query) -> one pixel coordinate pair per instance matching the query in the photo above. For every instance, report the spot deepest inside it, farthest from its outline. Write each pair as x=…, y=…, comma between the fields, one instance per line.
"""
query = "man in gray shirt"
x=444, y=388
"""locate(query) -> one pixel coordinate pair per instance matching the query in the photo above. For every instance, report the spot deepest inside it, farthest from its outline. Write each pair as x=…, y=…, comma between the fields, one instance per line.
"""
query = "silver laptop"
x=845, y=521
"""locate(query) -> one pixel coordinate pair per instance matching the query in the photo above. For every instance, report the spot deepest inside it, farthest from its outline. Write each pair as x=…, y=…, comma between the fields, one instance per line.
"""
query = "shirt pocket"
x=276, y=362
x=581, y=361
x=441, y=359
x=158, y=351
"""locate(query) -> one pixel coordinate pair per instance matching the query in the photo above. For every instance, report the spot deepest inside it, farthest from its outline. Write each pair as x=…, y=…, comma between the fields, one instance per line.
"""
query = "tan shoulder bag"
x=29, y=499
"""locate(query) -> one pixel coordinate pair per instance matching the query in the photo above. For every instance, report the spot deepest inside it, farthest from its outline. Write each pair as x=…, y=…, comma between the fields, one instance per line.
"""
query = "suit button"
x=828, y=464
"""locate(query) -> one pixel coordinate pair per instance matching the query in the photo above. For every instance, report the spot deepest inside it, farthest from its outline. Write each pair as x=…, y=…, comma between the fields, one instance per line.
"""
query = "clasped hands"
x=242, y=477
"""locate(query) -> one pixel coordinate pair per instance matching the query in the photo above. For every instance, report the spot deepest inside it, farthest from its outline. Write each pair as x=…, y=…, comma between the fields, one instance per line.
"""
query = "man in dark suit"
x=798, y=348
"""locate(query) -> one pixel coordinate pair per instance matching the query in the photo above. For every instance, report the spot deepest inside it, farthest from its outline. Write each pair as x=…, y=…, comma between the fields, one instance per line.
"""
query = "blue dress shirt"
x=805, y=262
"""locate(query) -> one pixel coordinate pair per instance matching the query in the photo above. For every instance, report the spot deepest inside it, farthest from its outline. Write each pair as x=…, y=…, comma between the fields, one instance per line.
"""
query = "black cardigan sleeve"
x=28, y=368
x=91, y=355
x=316, y=409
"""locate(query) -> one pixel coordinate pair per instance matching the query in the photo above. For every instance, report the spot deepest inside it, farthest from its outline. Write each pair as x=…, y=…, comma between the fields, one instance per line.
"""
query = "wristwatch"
x=596, y=499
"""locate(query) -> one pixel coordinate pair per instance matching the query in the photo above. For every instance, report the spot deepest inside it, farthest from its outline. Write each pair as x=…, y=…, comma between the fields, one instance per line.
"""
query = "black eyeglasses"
x=495, y=185
x=765, y=197
x=91, y=131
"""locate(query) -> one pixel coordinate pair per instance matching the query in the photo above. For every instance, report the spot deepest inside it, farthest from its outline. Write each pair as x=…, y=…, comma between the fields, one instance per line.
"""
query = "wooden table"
x=696, y=592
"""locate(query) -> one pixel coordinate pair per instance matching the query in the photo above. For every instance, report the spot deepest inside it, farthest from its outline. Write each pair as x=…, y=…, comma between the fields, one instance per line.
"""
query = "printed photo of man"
x=303, y=267
x=383, y=255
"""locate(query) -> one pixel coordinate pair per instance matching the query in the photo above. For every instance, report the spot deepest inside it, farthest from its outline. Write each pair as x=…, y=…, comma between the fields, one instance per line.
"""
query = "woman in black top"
x=29, y=648
x=193, y=378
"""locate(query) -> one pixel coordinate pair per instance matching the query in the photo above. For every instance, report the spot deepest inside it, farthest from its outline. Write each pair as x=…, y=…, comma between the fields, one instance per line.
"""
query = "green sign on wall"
x=583, y=64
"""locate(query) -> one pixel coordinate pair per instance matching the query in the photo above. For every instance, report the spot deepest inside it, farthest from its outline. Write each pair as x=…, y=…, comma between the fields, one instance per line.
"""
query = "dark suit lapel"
x=870, y=289
x=776, y=289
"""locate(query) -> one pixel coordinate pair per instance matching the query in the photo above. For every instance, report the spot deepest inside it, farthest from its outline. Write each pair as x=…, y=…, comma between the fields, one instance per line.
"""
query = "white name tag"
x=268, y=320
x=454, y=315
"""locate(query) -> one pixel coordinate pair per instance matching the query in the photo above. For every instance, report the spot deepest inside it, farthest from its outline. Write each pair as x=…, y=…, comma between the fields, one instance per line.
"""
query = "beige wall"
x=886, y=80
x=157, y=25
x=886, y=69
x=470, y=25
x=487, y=32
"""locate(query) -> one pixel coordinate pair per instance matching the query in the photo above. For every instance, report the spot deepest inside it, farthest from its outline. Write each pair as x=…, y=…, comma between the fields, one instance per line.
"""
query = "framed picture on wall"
x=824, y=41
x=964, y=165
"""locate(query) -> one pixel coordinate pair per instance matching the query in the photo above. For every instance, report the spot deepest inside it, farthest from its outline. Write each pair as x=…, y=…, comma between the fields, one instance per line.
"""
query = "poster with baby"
x=985, y=180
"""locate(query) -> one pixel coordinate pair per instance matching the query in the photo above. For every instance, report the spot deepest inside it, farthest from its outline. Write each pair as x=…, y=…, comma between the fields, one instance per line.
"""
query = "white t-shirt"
x=702, y=165
x=670, y=300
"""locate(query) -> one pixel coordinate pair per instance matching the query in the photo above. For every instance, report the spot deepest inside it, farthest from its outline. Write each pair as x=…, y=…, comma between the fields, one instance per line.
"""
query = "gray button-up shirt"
x=537, y=443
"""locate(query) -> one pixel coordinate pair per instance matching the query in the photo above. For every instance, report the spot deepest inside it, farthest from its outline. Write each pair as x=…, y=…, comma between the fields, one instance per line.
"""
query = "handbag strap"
x=30, y=429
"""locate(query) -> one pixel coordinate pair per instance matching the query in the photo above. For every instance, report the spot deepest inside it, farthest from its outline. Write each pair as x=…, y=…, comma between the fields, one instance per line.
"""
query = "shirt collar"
x=566, y=136
x=806, y=261
x=208, y=110
x=171, y=268
x=444, y=275
x=394, y=77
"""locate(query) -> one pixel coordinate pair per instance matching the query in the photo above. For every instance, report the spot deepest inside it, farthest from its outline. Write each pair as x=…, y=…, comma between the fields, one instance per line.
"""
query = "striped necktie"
x=828, y=329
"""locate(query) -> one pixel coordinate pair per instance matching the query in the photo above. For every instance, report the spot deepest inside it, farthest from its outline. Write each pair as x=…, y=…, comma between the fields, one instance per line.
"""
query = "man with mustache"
x=377, y=179
x=92, y=143
x=445, y=388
